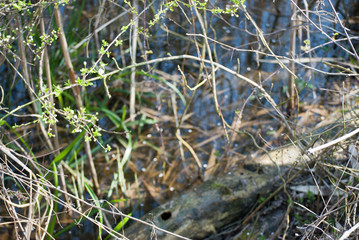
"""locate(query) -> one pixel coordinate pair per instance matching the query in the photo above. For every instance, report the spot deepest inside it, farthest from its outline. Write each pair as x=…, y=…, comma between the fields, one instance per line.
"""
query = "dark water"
x=238, y=32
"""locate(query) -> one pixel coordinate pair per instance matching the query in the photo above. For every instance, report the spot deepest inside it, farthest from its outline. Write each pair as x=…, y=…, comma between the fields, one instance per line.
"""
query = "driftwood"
x=203, y=210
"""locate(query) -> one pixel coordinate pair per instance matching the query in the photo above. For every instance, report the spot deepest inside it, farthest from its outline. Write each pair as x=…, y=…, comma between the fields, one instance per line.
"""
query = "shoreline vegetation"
x=170, y=110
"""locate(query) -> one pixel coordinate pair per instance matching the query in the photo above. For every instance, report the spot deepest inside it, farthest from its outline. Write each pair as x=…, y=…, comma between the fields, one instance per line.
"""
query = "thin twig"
x=333, y=142
x=213, y=73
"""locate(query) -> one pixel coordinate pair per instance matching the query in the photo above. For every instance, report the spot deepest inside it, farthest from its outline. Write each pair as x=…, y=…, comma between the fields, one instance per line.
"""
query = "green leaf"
x=98, y=205
x=114, y=118
x=119, y=226
x=64, y=152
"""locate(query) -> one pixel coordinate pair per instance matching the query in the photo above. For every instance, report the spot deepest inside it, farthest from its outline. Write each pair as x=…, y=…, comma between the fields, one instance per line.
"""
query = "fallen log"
x=200, y=212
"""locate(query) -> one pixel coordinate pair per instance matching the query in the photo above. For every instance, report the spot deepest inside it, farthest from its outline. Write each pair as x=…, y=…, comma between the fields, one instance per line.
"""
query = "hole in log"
x=166, y=215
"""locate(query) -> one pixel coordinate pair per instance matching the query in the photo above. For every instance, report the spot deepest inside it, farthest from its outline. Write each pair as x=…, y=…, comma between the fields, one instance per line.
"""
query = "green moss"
x=221, y=188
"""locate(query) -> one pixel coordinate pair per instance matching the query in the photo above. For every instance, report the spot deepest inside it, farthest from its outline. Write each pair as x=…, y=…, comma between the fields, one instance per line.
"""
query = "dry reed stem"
x=331, y=40
x=26, y=78
x=190, y=149
x=66, y=54
x=344, y=29
x=261, y=37
x=97, y=30
x=116, y=39
x=213, y=73
x=348, y=232
x=189, y=102
x=333, y=142
x=178, y=131
x=234, y=73
x=29, y=225
x=286, y=60
x=292, y=50
x=43, y=184
x=76, y=91
x=97, y=22
x=46, y=61
x=133, y=57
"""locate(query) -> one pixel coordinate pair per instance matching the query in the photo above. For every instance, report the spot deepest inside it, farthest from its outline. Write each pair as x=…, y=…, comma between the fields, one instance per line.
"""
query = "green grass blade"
x=64, y=152
x=114, y=118
x=98, y=205
x=119, y=226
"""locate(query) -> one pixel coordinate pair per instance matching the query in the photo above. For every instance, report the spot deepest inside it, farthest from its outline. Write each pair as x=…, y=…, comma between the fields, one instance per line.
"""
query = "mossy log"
x=201, y=211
